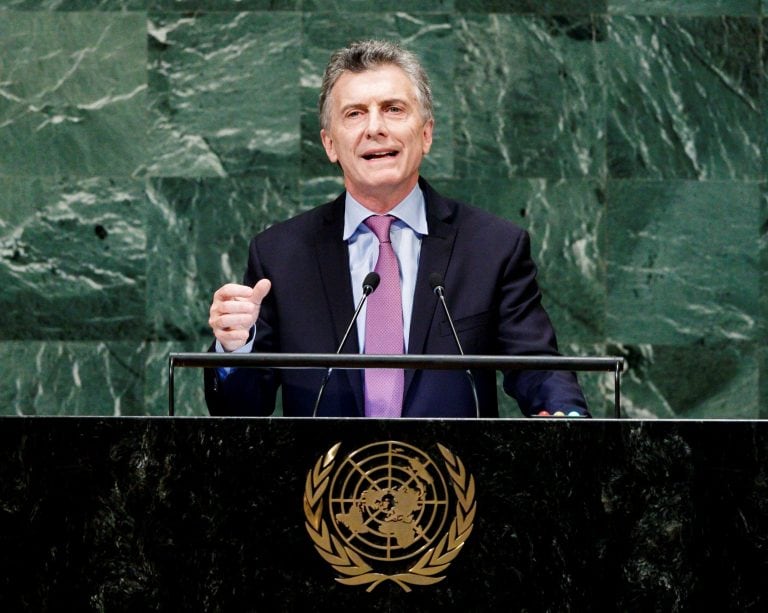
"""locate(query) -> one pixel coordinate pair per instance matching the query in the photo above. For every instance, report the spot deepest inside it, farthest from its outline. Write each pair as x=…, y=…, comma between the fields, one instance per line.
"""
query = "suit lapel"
x=436, y=249
x=333, y=263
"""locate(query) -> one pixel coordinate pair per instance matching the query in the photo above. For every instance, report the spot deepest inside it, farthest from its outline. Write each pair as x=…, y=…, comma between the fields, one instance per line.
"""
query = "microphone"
x=370, y=283
x=436, y=283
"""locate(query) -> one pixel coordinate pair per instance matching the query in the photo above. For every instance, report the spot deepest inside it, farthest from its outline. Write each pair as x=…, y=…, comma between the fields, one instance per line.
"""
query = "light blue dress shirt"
x=406, y=234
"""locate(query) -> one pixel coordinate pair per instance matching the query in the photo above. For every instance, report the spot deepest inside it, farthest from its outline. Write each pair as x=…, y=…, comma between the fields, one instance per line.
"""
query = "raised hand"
x=234, y=311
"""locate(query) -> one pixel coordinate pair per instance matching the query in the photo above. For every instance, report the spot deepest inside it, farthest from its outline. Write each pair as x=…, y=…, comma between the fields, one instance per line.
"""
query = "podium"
x=214, y=514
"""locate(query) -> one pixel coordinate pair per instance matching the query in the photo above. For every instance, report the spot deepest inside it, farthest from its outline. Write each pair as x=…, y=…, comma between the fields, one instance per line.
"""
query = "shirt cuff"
x=225, y=371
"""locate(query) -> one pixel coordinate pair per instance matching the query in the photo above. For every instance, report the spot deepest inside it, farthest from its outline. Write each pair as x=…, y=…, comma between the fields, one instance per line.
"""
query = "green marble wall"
x=142, y=142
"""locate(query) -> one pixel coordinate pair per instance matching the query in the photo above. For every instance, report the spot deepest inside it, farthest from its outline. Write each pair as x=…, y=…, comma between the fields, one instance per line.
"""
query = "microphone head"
x=371, y=282
x=436, y=281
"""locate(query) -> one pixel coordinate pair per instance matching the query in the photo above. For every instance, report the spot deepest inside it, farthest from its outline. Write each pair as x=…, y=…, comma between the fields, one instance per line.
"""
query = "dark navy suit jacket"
x=491, y=292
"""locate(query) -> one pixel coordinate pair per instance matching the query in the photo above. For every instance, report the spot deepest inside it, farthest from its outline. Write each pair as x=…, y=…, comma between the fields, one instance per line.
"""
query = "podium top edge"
x=437, y=362
x=595, y=421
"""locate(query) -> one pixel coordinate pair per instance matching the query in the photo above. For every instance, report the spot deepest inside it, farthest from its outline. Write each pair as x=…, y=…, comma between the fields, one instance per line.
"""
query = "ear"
x=426, y=136
x=330, y=150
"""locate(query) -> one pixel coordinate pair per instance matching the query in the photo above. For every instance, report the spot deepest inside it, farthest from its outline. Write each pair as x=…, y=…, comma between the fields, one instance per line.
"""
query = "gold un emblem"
x=385, y=513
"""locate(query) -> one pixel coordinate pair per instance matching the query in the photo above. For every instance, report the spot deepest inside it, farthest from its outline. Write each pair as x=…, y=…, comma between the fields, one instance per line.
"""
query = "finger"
x=232, y=340
x=232, y=290
x=223, y=307
x=233, y=335
x=237, y=321
x=260, y=290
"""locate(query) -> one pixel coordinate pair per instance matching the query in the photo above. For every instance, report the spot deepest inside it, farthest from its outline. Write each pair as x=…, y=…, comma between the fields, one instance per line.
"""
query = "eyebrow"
x=397, y=101
x=388, y=102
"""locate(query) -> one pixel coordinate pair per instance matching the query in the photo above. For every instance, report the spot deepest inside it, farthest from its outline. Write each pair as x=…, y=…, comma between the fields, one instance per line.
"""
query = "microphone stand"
x=370, y=283
x=437, y=286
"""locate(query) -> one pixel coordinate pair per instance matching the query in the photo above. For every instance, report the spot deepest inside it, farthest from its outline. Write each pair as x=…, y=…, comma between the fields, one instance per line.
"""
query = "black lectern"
x=241, y=514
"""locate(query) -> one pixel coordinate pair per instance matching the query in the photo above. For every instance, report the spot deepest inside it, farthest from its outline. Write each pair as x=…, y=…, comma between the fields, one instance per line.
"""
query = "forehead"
x=387, y=82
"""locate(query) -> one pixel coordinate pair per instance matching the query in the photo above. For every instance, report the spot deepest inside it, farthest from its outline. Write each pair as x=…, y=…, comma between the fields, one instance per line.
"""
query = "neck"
x=381, y=202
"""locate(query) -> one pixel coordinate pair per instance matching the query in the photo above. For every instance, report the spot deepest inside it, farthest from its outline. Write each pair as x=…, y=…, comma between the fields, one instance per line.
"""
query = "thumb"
x=260, y=290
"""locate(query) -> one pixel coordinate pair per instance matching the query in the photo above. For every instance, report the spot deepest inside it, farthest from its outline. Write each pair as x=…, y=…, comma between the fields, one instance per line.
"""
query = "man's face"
x=377, y=134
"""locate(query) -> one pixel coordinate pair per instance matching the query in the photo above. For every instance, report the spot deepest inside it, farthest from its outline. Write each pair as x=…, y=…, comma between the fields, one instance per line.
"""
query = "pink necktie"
x=384, y=327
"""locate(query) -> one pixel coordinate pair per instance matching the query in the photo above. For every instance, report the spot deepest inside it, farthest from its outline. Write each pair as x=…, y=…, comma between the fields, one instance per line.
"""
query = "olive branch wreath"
x=349, y=563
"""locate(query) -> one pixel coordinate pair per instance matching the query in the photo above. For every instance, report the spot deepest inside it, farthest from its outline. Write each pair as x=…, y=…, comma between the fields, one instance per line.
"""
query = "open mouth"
x=379, y=155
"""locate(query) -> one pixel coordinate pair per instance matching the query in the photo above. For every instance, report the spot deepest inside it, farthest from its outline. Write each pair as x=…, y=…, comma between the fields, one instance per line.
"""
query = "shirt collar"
x=411, y=211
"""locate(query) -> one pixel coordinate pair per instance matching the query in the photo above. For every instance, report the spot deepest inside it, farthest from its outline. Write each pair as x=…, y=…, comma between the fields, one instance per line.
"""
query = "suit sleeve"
x=525, y=329
x=248, y=391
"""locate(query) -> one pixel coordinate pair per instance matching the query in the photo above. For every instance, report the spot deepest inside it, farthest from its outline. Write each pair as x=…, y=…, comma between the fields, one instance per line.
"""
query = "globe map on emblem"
x=388, y=501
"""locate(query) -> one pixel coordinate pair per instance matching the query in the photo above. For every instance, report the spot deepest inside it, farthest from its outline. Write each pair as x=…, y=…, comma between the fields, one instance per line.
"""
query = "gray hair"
x=368, y=55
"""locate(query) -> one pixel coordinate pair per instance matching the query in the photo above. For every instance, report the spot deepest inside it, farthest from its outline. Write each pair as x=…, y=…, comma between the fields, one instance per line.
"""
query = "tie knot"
x=379, y=225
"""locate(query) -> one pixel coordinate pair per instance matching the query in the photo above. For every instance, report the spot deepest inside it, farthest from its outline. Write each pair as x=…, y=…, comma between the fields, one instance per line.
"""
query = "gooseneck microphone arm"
x=370, y=283
x=436, y=283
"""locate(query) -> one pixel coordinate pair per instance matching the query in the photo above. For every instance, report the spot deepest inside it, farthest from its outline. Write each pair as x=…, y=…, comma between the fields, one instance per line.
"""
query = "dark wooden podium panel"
x=200, y=514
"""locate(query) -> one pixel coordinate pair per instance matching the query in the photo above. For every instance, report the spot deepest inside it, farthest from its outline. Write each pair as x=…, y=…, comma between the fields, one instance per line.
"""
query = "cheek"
x=344, y=145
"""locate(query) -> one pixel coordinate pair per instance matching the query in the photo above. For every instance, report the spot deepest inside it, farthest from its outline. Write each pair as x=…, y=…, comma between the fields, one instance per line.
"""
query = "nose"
x=377, y=125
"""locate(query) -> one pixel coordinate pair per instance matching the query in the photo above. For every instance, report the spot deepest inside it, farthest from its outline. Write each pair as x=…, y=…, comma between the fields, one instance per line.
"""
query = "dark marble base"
x=206, y=514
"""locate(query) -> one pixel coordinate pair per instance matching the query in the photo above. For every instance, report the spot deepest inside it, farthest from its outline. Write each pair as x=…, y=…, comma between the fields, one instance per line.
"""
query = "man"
x=305, y=276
